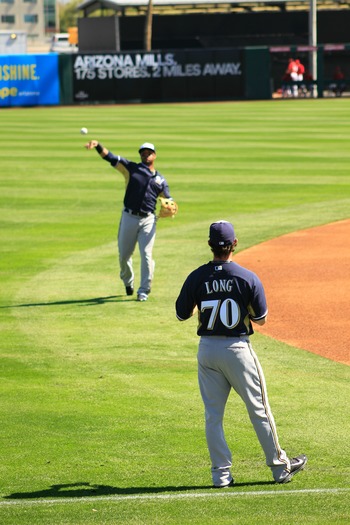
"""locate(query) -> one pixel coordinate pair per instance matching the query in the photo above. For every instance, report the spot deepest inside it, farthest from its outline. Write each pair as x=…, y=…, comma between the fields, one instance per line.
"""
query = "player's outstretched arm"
x=94, y=144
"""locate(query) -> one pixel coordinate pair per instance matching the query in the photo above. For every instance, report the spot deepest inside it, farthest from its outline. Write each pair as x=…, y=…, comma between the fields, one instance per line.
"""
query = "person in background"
x=292, y=71
x=300, y=70
x=308, y=82
x=338, y=85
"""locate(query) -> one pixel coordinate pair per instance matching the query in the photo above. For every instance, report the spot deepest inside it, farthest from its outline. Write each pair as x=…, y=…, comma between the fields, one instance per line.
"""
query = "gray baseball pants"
x=133, y=230
x=225, y=363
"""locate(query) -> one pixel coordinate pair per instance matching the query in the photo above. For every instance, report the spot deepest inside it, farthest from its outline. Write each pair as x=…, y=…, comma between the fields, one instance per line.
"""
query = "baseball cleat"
x=230, y=484
x=296, y=465
x=142, y=297
x=129, y=290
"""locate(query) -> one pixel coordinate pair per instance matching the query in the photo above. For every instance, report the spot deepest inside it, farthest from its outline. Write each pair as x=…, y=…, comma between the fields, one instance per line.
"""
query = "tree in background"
x=147, y=44
x=68, y=15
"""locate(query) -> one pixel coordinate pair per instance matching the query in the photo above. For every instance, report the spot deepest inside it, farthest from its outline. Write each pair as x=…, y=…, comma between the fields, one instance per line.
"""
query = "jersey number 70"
x=228, y=311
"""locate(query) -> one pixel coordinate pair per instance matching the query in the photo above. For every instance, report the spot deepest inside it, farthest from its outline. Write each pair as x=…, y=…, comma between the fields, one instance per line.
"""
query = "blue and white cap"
x=147, y=145
x=221, y=233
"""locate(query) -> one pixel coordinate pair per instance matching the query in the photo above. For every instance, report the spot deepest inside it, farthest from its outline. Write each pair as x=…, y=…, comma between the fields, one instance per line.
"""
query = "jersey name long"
x=143, y=187
x=227, y=296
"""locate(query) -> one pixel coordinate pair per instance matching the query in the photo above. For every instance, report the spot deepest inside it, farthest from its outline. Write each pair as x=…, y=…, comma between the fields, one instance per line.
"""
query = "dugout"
x=202, y=24
x=329, y=57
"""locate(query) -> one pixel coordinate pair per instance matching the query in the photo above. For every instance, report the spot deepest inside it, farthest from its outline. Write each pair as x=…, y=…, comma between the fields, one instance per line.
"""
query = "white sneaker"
x=142, y=297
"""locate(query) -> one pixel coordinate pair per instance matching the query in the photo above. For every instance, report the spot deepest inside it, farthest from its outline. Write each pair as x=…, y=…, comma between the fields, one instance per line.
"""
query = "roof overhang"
x=183, y=6
x=89, y=6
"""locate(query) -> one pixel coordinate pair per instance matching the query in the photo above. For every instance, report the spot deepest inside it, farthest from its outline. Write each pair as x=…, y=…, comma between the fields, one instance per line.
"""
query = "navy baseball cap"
x=221, y=233
x=147, y=145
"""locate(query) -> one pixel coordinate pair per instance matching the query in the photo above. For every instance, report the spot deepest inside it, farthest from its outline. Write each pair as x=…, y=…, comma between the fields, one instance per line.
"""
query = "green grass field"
x=101, y=418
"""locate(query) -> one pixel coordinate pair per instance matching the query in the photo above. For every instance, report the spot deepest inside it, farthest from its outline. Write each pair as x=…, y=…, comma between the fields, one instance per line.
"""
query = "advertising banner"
x=29, y=80
x=157, y=76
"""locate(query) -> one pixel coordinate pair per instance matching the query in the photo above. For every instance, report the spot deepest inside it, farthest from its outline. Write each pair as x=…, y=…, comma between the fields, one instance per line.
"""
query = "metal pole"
x=313, y=42
x=117, y=32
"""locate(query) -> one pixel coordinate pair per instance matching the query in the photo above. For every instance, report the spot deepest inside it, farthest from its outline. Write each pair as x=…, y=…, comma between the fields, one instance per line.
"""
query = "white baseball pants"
x=133, y=230
x=225, y=363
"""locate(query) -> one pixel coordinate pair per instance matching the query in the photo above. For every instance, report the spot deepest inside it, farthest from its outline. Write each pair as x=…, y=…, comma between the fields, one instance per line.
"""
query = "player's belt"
x=137, y=213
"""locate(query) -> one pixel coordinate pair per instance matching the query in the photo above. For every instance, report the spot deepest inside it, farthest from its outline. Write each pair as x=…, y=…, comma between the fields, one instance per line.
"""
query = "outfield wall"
x=250, y=73
x=158, y=76
x=185, y=75
x=29, y=80
x=171, y=76
x=174, y=75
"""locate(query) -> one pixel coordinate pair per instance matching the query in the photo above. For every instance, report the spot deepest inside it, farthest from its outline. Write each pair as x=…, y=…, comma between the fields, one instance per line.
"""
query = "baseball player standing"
x=138, y=221
x=228, y=297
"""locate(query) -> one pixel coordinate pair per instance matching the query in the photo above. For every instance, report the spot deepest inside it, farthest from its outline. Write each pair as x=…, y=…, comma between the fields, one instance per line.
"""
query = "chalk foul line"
x=227, y=493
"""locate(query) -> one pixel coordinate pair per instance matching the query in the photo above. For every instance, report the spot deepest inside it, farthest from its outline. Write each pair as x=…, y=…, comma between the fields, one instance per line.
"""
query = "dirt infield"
x=306, y=275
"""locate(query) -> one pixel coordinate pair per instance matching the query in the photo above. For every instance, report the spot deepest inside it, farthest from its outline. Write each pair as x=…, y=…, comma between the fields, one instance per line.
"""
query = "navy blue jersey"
x=227, y=296
x=143, y=187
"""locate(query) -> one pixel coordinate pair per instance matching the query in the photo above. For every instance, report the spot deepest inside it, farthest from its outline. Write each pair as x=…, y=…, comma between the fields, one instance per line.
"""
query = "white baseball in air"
x=84, y=131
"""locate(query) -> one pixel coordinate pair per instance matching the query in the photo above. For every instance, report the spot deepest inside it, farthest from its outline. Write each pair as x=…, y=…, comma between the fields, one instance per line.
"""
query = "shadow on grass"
x=82, y=489
x=83, y=302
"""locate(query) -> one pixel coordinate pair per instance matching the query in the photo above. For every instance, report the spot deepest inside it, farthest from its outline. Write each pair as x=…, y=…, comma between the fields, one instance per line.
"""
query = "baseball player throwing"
x=228, y=298
x=138, y=221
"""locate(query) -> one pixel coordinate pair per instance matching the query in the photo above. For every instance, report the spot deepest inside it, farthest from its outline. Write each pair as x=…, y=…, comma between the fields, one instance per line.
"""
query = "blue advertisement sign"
x=29, y=80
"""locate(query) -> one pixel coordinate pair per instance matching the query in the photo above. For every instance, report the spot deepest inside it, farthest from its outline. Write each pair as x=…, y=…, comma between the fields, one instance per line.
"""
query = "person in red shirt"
x=300, y=76
x=300, y=70
x=292, y=71
x=338, y=86
x=308, y=82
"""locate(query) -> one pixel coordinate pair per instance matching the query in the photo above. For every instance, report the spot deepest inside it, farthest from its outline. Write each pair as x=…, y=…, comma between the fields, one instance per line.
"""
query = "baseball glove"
x=168, y=208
